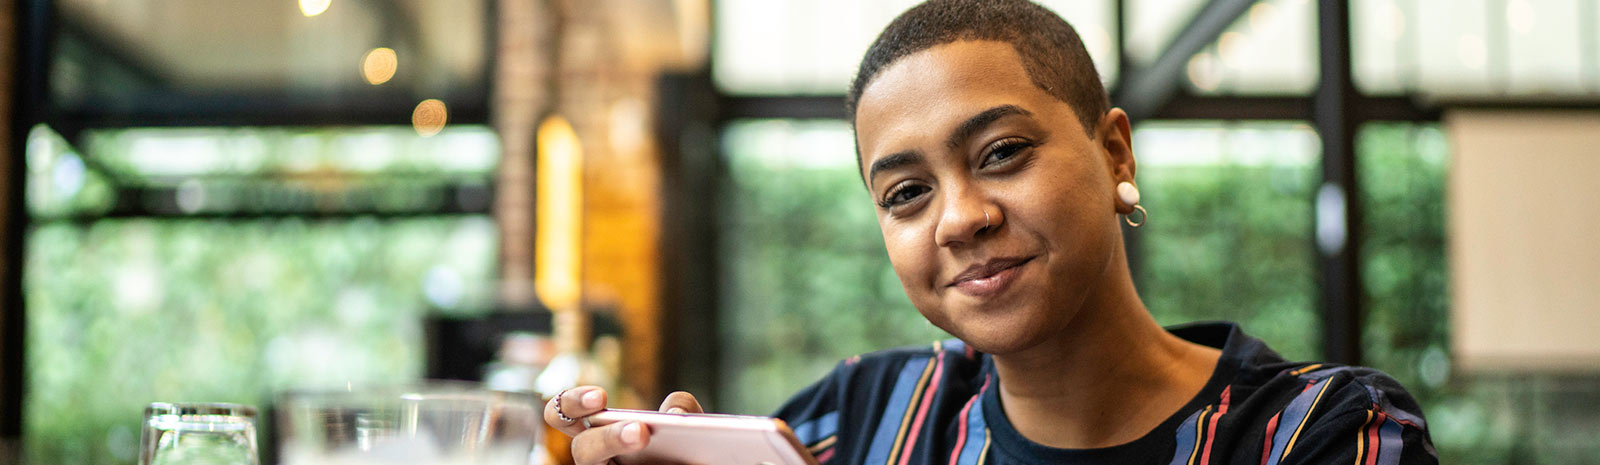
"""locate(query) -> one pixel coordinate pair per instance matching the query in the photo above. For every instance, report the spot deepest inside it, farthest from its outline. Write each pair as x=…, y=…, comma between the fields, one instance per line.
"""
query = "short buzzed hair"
x=1052, y=53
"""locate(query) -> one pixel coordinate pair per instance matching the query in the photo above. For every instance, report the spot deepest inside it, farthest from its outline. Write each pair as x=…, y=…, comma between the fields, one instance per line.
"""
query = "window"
x=1476, y=47
x=187, y=307
x=1271, y=49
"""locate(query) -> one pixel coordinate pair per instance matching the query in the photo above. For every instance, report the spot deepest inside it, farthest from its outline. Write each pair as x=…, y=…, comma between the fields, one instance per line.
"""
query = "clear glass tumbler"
x=184, y=433
x=431, y=423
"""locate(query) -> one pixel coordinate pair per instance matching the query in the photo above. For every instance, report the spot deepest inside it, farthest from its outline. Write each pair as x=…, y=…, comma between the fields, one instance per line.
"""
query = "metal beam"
x=116, y=53
x=692, y=172
x=33, y=43
x=1338, y=218
x=1142, y=93
x=170, y=109
x=806, y=107
x=1183, y=105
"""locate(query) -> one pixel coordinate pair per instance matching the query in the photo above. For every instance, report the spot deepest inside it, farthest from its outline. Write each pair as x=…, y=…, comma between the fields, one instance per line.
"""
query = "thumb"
x=681, y=402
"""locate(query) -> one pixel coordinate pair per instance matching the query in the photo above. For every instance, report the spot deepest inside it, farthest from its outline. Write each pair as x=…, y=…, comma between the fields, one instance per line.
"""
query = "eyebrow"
x=982, y=120
x=898, y=159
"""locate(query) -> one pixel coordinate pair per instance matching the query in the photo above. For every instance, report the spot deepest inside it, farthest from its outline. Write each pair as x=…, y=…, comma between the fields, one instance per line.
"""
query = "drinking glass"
x=193, y=433
x=430, y=423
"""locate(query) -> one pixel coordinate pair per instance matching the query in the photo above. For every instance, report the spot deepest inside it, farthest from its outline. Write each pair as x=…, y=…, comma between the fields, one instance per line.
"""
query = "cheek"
x=914, y=258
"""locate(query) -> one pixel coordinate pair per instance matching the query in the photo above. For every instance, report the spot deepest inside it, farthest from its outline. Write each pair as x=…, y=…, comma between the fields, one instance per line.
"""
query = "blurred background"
x=210, y=200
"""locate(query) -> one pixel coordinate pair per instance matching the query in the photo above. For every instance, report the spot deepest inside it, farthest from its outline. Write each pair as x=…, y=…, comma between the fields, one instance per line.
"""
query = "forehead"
x=926, y=93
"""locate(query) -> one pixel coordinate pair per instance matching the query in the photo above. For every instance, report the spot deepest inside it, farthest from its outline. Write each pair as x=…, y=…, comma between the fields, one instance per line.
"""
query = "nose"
x=967, y=215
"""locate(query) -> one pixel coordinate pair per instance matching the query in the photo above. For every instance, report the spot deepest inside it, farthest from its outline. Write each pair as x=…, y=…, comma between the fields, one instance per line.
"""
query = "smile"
x=989, y=278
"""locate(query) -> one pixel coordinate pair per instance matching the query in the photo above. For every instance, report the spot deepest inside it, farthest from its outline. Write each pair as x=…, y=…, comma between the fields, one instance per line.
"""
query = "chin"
x=1000, y=334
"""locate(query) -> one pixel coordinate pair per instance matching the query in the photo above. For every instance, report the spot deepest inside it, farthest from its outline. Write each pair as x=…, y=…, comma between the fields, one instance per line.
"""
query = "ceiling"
x=213, y=46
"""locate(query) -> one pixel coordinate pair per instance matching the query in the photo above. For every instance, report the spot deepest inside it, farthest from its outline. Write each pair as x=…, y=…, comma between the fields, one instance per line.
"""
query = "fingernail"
x=592, y=399
x=630, y=433
x=676, y=410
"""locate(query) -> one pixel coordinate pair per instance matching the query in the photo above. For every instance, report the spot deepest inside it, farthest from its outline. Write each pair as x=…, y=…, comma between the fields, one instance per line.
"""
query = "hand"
x=602, y=444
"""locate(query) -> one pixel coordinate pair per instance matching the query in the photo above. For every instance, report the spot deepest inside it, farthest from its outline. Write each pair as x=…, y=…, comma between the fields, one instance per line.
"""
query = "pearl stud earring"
x=1130, y=196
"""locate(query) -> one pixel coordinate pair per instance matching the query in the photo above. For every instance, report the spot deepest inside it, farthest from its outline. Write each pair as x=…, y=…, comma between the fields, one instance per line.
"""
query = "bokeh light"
x=379, y=65
x=429, y=117
x=314, y=7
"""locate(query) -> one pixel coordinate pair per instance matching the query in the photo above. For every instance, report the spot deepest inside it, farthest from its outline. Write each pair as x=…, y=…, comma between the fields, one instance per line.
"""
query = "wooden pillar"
x=523, y=81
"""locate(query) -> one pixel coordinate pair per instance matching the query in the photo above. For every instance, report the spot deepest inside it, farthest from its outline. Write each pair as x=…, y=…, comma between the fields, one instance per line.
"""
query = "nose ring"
x=986, y=222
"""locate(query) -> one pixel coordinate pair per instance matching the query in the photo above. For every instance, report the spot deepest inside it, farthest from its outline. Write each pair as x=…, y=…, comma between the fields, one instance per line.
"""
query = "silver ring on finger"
x=559, y=413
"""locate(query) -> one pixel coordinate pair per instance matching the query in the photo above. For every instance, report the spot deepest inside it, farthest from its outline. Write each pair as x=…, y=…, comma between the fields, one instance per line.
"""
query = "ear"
x=1115, y=139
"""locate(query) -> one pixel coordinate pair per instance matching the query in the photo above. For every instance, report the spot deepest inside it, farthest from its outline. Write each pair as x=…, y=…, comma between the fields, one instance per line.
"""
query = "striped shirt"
x=939, y=405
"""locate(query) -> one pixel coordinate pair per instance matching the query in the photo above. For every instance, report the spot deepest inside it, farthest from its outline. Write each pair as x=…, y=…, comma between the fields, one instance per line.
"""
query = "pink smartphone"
x=712, y=439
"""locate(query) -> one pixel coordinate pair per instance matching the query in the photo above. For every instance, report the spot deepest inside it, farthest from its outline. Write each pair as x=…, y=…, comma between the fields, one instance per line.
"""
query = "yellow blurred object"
x=557, y=445
x=379, y=65
x=429, y=117
x=559, y=223
x=314, y=7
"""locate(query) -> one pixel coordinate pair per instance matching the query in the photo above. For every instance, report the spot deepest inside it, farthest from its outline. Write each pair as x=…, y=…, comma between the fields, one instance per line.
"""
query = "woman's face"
x=997, y=209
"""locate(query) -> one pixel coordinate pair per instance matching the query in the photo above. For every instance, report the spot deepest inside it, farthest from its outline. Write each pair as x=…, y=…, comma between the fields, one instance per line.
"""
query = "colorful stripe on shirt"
x=1198, y=433
x=1378, y=441
x=932, y=386
x=819, y=435
x=1189, y=437
x=971, y=428
x=1294, y=418
x=908, y=405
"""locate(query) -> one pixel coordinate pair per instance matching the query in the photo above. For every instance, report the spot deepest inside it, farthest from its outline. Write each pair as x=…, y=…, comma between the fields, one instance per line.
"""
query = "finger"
x=600, y=444
x=681, y=402
x=576, y=403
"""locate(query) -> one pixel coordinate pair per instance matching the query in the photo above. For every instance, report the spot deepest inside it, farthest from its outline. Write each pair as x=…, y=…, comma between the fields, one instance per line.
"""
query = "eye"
x=901, y=194
x=1004, y=150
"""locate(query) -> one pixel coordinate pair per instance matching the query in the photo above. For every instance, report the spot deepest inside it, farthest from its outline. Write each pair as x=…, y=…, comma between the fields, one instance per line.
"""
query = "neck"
x=1109, y=378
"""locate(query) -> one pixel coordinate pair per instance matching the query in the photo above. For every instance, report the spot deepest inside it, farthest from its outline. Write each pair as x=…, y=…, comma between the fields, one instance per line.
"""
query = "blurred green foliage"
x=124, y=312
x=1229, y=236
x=806, y=280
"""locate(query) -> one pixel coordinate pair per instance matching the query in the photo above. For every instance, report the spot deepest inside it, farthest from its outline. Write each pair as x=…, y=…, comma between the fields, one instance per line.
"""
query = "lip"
x=989, y=278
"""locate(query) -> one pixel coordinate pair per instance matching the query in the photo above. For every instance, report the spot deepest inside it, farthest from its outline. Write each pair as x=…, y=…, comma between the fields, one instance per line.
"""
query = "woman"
x=1000, y=173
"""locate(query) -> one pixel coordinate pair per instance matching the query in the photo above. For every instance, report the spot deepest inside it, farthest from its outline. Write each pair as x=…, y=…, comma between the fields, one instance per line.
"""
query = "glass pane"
x=1152, y=24
x=1475, y=419
x=1272, y=49
x=814, y=47
x=1229, y=231
x=806, y=281
x=1382, y=45
x=1476, y=47
x=125, y=312
x=1541, y=49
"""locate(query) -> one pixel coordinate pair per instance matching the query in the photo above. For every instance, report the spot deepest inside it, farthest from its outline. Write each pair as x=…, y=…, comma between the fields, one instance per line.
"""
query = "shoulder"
x=1339, y=389
x=1258, y=375
x=1320, y=410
